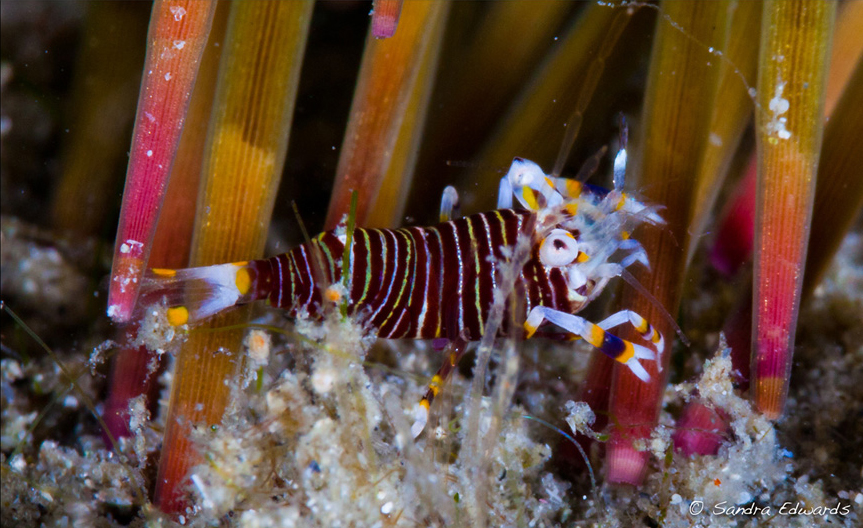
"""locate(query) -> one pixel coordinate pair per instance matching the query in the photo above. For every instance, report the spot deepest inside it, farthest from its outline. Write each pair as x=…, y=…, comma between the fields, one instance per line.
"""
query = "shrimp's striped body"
x=412, y=282
x=440, y=282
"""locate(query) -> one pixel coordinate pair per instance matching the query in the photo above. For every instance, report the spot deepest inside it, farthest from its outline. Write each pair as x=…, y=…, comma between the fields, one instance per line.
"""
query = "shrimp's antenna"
x=588, y=168
x=620, y=158
x=588, y=87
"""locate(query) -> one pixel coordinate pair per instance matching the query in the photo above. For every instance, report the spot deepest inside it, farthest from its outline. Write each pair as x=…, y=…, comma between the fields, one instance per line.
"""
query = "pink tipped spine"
x=176, y=39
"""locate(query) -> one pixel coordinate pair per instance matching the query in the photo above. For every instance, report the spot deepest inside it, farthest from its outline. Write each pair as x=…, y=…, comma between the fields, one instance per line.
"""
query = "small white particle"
x=149, y=153
x=202, y=489
x=387, y=508
x=779, y=105
x=258, y=344
x=12, y=370
x=124, y=248
x=323, y=380
x=168, y=76
x=179, y=44
x=18, y=463
x=178, y=12
x=676, y=499
x=715, y=140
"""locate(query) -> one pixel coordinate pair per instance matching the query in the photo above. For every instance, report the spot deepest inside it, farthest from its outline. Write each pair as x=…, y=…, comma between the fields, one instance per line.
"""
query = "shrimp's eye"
x=558, y=249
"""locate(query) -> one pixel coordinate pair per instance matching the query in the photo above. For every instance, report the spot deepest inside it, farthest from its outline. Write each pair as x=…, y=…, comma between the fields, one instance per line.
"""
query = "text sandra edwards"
x=787, y=508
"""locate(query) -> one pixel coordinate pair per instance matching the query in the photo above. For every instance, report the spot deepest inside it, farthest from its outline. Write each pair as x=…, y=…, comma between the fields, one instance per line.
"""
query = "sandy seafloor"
x=322, y=438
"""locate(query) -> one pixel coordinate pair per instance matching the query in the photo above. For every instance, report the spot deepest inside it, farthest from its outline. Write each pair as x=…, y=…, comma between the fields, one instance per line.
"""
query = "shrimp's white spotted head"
x=581, y=230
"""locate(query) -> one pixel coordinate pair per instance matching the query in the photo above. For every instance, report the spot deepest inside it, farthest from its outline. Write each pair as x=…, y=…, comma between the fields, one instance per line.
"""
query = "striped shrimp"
x=439, y=282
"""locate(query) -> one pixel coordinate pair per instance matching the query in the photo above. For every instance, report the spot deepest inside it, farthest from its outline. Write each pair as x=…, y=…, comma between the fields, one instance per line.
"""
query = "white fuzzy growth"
x=323, y=380
x=178, y=12
x=155, y=333
x=580, y=418
x=779, y=105
x=258, y=345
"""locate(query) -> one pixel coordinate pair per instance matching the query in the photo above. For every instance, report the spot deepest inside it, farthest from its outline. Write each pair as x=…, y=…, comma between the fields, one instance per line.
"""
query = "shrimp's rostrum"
x=439, y=282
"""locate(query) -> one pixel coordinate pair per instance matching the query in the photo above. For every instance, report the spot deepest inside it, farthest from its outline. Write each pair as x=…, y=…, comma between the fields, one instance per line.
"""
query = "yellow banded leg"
x=647, y=331
x=454, y=352
x=618, y=349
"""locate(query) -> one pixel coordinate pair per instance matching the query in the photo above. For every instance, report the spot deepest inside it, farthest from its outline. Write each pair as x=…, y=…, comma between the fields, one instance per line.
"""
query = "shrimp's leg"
x=504, y=194
x=621, y=350
x=647, y=331
x=636, y=253
x=454, y=352
x=449, y=204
